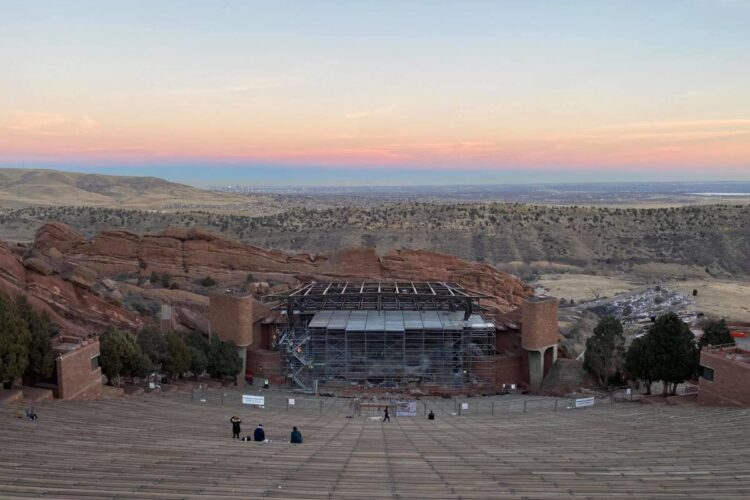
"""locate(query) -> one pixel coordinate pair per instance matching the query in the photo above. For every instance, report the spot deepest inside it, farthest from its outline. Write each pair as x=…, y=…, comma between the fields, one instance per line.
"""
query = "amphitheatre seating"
x=149, y=446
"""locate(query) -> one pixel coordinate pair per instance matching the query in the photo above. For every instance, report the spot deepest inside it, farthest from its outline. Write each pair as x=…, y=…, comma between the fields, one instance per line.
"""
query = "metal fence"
x=445, y=407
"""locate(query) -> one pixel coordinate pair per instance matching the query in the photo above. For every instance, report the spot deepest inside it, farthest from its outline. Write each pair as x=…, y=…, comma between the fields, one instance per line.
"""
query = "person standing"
x=236, y=421
x=296, y=436
x=386, y=415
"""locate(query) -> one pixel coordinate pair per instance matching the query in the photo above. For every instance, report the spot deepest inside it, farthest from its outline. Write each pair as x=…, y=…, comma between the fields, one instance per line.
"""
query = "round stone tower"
x=539, y=332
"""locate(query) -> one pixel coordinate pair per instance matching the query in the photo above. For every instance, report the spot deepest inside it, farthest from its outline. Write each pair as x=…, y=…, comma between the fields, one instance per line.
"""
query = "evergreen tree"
x=153, y=344
x=223, y=360
x=674, y=350
x=716, y=333
x=638, y=362
x=605, y=350
x=41, y=359
x=113, y=351
x=177, y=361
x=199, y=347
x=14, y=342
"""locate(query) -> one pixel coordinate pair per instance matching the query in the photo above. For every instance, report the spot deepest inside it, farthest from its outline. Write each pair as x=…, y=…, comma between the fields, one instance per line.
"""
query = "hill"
x=26, y=187
x=694, y=241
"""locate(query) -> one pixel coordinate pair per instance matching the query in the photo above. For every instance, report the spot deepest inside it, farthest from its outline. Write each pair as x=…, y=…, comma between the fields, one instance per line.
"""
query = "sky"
x=378, y=92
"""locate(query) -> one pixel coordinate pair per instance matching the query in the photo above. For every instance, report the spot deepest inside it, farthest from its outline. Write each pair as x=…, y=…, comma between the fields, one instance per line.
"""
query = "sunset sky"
x=378, y=92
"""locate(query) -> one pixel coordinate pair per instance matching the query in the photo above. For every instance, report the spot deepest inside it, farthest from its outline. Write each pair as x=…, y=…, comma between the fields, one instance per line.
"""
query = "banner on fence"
x=406, y=409
x=291, y=401
x=464, y=406
x=584, y=402
x=248, y=399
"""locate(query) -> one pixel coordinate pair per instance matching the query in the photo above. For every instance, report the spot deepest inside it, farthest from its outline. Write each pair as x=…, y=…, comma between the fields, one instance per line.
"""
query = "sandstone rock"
x=109, y=284
x=109, y=294
x=281, y=287
x=11, y=269
x=80, y=275
x=190, y=254
x=57, y=235
x=40, y=265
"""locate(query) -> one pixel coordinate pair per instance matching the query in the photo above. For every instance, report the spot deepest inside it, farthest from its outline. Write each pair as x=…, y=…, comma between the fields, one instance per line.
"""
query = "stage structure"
x=385, y=334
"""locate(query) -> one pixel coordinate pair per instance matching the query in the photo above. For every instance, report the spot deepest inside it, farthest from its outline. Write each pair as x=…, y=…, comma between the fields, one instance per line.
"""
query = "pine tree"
x=716, y=333
x=153, y=344
x=14, y=342
x=674, y=350
x=638, y=362
x=605, y=350
x=223, y=360
x=177, y=360
x=41, y=359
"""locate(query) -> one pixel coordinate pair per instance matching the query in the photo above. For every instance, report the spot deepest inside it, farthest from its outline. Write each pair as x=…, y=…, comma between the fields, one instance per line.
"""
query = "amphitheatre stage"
x=149, y=446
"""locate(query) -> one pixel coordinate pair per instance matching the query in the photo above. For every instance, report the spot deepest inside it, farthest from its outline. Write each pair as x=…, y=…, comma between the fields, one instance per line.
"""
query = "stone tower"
x=539, y=332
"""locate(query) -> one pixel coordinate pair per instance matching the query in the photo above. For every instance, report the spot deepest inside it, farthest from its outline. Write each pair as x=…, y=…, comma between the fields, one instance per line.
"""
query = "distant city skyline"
x=386, y=92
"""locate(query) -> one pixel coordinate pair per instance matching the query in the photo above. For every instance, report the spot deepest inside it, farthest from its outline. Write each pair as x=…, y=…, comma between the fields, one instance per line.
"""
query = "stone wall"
x=75, y=378
x=731, y=383
x=231, y=318
x=510, y=369
x=539, y=327
x=268, y=364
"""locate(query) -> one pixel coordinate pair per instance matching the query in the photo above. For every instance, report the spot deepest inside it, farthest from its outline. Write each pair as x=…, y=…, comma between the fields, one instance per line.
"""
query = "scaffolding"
x=385, y=334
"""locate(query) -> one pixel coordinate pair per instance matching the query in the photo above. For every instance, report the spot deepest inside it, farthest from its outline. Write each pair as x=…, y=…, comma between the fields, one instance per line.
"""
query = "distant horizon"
x=217, y=180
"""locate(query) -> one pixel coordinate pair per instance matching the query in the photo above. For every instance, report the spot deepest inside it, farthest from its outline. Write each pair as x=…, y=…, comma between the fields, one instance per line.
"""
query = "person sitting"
x=259, y=434
x=296, y=436
x=31, y=415
x=431, y=416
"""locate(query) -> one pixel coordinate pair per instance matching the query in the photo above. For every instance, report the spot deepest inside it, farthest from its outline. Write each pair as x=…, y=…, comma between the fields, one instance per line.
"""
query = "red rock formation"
x=194, y=253
x=65, y=297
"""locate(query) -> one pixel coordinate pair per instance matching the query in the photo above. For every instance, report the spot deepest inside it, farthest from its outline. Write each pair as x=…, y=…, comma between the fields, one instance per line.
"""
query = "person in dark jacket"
x=296, y=436
x=386, y=415
x=259, y=434
x=236, y=421
x=431, y=416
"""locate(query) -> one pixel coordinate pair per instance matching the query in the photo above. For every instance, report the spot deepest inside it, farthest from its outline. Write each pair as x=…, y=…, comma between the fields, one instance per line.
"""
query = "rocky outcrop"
x=70, y=277
x=191, y=254
x=65, y=296
x=57, y=235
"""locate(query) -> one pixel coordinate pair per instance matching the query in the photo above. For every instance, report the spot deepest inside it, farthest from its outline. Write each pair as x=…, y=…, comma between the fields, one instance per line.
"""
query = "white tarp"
x=406, y=409
x=248, y=399
x=584, y=402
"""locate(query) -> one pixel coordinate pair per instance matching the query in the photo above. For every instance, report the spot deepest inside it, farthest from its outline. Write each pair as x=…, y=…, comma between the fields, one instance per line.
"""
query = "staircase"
x=294, y=343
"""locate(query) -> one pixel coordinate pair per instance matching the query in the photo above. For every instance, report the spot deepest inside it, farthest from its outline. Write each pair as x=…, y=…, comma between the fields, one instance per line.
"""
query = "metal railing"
x=455, y=407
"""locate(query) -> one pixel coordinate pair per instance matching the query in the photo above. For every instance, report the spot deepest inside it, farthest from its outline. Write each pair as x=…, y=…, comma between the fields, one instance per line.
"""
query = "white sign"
x=152, y=385
x=584, y=402
x=248, y=399
x=291, y=401
x=627, y=391
x=464, y=406
x=406, y=409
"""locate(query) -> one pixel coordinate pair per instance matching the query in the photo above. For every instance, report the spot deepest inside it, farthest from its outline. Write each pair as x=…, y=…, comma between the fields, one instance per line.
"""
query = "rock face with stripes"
x=188, y=255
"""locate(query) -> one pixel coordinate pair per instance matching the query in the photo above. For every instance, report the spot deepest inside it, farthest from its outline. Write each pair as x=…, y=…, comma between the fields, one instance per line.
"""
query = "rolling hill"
x=28, y=187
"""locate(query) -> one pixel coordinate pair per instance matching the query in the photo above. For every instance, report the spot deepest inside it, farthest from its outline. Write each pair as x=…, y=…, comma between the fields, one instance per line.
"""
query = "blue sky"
x=428, y=91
